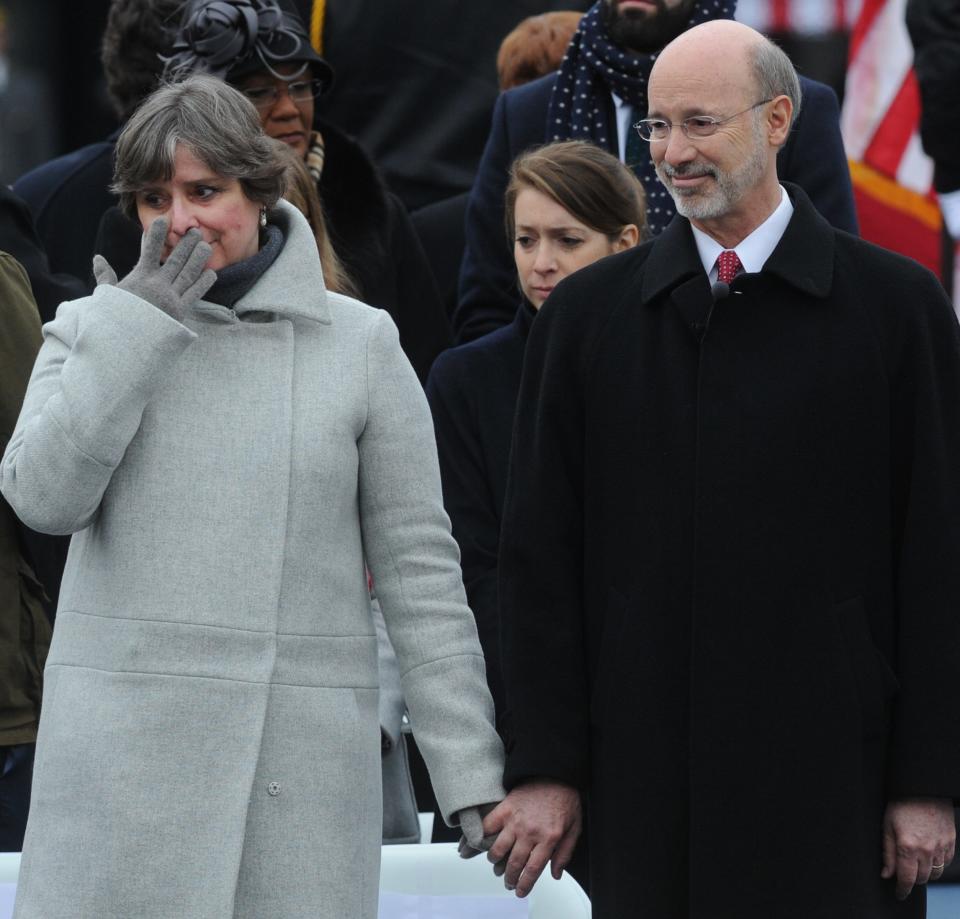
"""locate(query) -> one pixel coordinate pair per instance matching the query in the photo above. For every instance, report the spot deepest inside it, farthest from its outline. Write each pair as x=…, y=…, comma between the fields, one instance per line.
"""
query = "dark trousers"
x=16, y=774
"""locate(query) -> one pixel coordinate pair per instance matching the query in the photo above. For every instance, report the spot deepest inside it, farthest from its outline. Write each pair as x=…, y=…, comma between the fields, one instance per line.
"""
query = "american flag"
x=892, y=176
x=801, y=17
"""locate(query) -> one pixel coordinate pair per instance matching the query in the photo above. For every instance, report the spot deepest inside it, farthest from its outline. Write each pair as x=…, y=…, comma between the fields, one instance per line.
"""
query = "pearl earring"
x=263, y=216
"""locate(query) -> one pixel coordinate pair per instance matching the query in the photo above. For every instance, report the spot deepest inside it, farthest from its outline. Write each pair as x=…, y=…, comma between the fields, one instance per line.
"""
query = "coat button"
x=273, y=789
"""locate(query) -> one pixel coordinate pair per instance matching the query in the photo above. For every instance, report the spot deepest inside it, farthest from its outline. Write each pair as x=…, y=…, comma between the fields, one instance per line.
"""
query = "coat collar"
x=803, y=258
x=805, y=254
x=523, y=320
x=673, y=260
x=292, y=287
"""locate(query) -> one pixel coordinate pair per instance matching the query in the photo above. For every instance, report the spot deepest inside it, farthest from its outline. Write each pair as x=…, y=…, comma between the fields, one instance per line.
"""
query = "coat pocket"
x=877, y=685
x=611, y=658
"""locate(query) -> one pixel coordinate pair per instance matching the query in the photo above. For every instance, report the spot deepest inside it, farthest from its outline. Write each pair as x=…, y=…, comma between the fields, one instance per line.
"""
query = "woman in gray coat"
x=227, y=458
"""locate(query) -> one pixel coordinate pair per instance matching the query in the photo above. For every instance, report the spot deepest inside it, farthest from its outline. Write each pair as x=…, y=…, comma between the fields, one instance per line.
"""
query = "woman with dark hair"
x=567, y=205
x=231, y=445
x=262, y=48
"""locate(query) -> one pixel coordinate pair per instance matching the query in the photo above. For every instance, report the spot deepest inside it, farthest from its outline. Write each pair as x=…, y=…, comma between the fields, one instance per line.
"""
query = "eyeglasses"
x=265, y=97
x=694, y=127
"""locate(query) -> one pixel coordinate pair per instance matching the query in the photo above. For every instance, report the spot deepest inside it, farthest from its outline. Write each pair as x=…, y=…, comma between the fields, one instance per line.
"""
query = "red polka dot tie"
x=728, y=266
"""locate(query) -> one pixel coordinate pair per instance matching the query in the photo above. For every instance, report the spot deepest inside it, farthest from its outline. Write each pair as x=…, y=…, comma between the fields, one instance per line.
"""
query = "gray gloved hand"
x=473, y=842
x=175, y=284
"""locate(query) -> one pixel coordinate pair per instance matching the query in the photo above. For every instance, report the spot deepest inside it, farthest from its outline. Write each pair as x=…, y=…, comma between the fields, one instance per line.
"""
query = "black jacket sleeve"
x=814, y=157
x=18, y=237
x=469, y=500
x=934, y=27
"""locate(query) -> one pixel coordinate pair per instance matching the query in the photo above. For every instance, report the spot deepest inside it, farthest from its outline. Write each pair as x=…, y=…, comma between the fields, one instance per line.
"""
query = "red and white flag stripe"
x=882, y=102
x=804, y=17
x=892, y=177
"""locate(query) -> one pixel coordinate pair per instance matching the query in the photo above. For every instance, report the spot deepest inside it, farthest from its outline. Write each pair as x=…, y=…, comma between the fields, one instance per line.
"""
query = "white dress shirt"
x=753, y=250
x=625, y=123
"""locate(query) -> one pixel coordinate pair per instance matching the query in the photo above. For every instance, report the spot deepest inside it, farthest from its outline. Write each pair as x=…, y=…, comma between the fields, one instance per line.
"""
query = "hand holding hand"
x=919, y=837
x=473, y=842
x=537, y=822
x=171, y=286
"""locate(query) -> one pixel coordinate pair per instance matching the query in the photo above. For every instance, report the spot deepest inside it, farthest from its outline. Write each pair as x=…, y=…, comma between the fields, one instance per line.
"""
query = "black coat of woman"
x=472, y=391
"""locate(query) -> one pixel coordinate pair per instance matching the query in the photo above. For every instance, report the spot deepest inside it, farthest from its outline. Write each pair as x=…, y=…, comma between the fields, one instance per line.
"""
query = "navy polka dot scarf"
x=592, y=68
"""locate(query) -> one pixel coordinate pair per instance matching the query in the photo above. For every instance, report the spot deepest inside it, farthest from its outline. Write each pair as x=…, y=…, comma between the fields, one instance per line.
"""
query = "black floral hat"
x=234, y=38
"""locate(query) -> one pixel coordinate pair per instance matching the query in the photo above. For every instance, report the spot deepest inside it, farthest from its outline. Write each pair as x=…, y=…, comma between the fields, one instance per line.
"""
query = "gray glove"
x=473, y=842
x=171, y=286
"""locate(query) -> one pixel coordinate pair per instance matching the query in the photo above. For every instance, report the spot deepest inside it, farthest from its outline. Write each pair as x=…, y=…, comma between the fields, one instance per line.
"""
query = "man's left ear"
x=778, y=120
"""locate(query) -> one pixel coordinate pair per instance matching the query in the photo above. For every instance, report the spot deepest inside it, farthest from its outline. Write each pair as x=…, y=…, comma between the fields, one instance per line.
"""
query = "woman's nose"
x=284, y=107
x=182, y=217
x=545, y=262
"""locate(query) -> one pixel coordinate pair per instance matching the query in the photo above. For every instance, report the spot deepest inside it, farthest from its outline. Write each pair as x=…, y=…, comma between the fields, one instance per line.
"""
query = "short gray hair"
x=775, y=74
x=218, y=124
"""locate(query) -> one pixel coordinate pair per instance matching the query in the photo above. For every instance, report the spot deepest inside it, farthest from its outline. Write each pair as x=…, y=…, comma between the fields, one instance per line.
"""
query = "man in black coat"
x=729, y=558
x=630, y=34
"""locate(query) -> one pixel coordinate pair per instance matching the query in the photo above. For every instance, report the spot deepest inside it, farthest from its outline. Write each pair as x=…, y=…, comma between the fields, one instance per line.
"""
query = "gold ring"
x=936, y=867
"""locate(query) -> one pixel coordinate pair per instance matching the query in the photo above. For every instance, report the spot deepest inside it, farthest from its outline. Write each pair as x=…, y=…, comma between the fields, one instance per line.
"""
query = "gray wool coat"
x=209, y=744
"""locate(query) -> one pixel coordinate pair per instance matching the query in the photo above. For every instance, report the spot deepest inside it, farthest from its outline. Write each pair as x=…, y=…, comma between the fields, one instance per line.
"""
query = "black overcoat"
x=730, y=571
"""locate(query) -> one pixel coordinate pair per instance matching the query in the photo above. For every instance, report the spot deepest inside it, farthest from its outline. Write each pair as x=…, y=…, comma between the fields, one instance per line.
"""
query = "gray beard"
x=729, y=187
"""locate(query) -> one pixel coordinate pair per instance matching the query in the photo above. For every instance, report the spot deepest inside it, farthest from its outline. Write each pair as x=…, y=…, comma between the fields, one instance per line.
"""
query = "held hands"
x=473, y=842
x=537, y=822
x=919, y=837
x=171, y=286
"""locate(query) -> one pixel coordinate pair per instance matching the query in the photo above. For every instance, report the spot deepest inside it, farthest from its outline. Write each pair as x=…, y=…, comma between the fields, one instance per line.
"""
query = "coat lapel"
x=805, y=254
x=803, y=258
x=673, y=269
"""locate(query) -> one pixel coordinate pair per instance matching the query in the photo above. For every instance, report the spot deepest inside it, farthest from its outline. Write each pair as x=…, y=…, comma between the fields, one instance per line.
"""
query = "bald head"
x=724, y=99
x=725, y=36
x=731, y=55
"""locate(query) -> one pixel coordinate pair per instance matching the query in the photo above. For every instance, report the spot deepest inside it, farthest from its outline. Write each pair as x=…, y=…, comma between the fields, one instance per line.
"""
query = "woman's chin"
x=538, y=297
x=297, y=141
